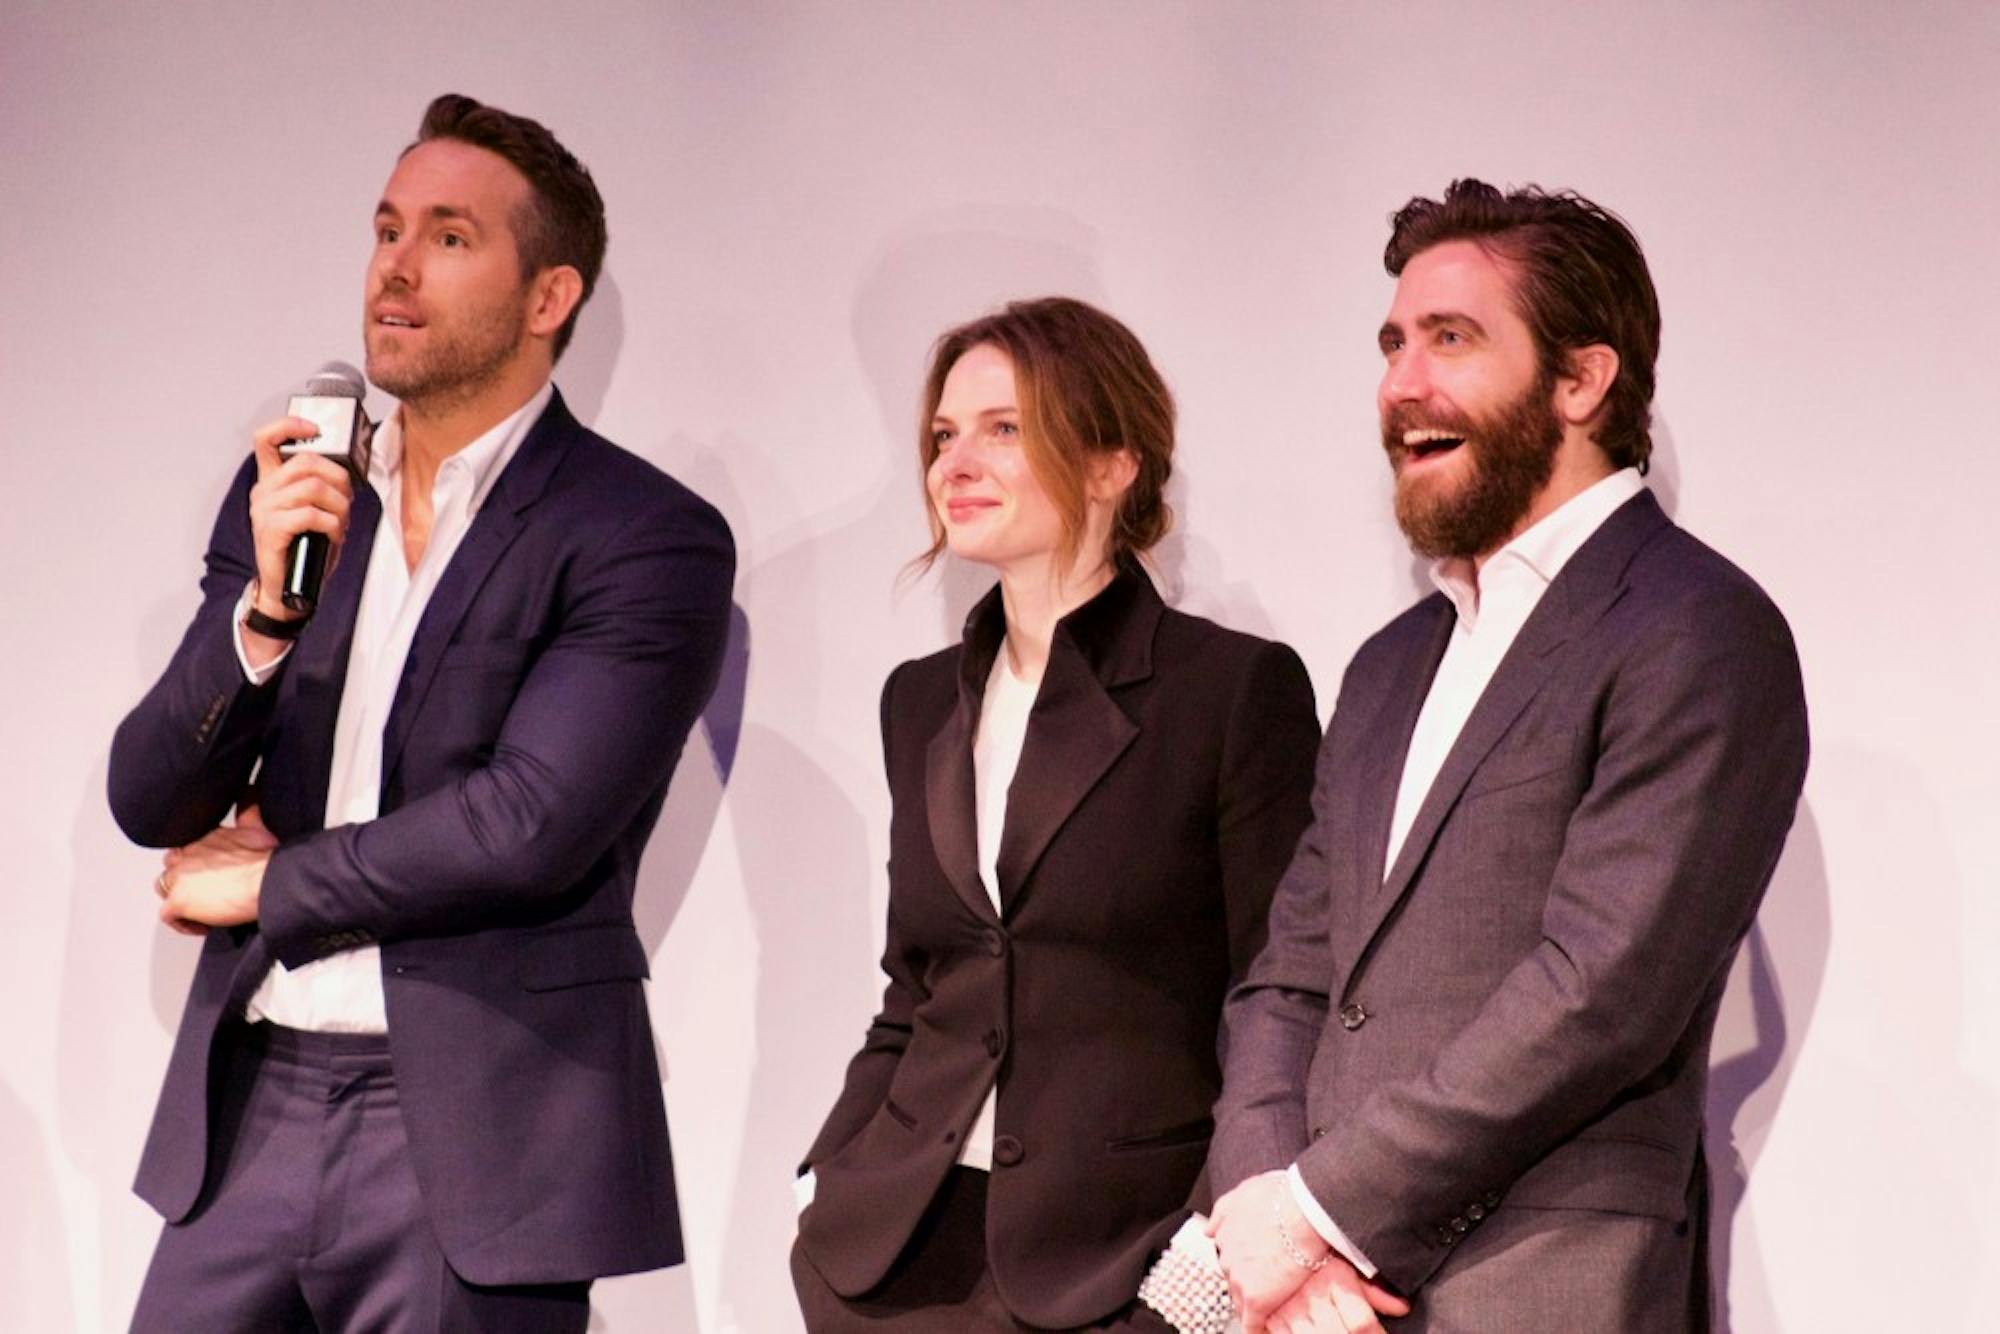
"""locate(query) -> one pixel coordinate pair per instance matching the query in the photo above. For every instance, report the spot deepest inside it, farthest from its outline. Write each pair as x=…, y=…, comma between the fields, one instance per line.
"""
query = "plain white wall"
x=800, y=198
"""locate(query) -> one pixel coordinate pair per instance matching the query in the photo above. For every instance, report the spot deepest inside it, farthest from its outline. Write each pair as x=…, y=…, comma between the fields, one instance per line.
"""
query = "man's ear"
x=1109, y=473
x=552, y=295
x=1580, y=391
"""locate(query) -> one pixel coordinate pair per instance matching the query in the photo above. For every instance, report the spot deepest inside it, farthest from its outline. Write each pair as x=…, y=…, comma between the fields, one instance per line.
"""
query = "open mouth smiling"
x=1429, y=442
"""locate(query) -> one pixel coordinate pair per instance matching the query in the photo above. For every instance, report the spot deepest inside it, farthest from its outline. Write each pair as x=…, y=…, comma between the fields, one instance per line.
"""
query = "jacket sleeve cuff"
x=1324, y=1225
x=256, y=676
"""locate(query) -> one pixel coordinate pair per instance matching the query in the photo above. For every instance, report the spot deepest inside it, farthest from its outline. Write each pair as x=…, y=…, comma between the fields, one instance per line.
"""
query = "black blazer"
x=570, y=645
x=1163, y=781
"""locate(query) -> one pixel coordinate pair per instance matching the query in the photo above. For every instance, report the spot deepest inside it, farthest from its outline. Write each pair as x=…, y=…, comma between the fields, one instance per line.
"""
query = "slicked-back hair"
x=1579, y=279
x=1084, y=385
x=563, y=222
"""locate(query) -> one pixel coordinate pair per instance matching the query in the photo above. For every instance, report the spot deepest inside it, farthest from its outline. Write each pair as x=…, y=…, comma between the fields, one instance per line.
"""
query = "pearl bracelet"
x=1292, y=1251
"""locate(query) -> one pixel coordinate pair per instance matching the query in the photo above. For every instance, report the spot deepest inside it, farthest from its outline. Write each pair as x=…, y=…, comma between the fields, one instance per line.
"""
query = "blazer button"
x=1319, y=1132
x=1007, y=1151
x=996, y=945
x=994, y=1043
x=1353, y=1016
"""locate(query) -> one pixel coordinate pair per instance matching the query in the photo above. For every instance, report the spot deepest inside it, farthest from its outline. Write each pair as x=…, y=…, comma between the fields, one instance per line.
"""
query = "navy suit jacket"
x=1516, y=1021
x=572, y=642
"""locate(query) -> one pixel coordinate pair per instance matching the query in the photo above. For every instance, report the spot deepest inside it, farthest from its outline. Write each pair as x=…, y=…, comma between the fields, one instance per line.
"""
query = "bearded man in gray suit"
x=1465, y=1077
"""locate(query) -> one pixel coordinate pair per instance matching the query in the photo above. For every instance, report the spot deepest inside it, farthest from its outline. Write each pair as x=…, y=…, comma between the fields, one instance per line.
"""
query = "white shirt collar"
x=1544, y=547
x=482, y=461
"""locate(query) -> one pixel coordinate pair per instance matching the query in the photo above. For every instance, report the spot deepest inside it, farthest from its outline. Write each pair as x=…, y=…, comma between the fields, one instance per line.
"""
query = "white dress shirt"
x=996, y=753
x=342, y=992
x=1493, y=602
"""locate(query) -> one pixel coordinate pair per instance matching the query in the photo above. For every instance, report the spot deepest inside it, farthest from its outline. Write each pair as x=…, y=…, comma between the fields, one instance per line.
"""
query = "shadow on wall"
x=587, y=364
x=941, y=272
x=34, y=1246
x=1911, y=1127
x=1746, y=1087
x=108, y=1066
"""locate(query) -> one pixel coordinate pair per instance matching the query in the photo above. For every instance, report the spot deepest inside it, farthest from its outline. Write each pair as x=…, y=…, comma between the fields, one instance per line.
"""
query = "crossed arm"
x=589, y=737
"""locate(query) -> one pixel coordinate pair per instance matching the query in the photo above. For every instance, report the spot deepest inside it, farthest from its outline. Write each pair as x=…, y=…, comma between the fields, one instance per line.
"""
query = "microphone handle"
x=305, y=569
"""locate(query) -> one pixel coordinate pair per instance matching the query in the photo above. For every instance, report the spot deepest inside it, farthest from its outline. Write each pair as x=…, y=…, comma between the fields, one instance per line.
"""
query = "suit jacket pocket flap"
x=580, y=954
x=1611, y=1175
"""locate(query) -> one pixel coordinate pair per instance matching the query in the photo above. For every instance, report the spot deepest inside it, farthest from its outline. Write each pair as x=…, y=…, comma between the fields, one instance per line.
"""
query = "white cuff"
x=1324, y=1225
x=255, y=675
x=803, y=1188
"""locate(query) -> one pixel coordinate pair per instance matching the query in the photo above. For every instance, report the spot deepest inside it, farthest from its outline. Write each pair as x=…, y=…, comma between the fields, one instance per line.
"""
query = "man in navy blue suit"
x=414, y=1086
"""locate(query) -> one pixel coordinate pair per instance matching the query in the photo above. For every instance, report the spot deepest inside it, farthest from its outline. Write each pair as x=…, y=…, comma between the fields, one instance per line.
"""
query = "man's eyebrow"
x=439, y=212
x=1439, y=318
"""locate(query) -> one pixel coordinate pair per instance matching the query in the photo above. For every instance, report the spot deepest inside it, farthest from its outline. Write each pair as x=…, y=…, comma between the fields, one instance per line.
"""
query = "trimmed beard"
x=1512, y=456
x=459, y=367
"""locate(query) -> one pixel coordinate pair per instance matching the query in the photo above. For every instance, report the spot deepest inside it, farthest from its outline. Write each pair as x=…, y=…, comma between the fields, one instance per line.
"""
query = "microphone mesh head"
x=336, y=379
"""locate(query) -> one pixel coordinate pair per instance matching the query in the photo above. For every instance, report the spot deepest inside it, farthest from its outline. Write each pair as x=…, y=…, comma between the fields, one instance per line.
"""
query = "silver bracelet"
x=1292, y=1251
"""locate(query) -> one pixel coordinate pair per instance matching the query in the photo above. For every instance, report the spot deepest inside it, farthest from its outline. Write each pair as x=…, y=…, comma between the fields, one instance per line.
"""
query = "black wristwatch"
x=271, y=627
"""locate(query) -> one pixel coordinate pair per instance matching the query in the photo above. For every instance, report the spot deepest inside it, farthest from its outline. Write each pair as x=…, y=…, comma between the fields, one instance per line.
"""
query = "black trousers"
x=940, y=1284
x=311, y=1218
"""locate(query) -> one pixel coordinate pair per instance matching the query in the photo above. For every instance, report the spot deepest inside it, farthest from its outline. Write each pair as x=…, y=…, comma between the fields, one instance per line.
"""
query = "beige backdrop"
x=800, y=197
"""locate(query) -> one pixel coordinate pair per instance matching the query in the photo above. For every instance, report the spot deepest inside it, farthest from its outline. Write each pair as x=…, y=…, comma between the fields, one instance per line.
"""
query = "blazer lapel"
x=320, y=672
x=493, y=530
x=1587, y=587
x=1076, y=731
x=1387, y=748
x=949, y=791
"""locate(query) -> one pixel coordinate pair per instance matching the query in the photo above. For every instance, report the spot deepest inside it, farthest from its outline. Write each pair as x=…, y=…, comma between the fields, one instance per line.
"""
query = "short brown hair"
x=1583, y=280
x=564, y=220
x=1085, y=386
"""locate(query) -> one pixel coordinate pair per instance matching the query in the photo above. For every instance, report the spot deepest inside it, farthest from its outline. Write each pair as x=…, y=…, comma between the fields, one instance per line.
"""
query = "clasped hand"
x=1302, y=1289
x=216, y=880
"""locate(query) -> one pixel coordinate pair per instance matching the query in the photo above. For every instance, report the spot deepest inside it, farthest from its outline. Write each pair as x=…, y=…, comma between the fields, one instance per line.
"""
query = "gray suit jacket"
x=1519, y=1017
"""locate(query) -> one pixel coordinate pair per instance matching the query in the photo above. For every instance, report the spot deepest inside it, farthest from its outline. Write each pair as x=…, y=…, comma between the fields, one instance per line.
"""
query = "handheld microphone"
x=331, y=400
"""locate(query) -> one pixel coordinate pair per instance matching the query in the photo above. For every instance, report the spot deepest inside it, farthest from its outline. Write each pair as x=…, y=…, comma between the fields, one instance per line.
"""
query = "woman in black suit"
x=1094, y=796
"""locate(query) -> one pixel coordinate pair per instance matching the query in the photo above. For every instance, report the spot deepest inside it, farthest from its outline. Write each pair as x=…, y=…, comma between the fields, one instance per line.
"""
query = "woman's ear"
x=1110, y=473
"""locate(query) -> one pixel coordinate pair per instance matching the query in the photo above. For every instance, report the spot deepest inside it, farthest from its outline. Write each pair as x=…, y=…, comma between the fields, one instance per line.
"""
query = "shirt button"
x=1353, y=1016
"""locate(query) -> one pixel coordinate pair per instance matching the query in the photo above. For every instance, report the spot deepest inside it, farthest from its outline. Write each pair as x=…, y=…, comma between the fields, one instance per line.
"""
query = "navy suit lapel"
x=1587, y=587
x=320, y=673
x=493, y=530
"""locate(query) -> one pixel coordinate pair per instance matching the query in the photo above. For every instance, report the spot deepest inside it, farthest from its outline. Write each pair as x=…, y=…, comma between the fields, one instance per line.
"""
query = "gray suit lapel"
x=1588, y=586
